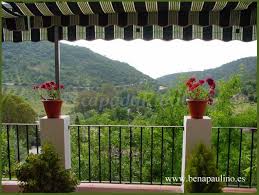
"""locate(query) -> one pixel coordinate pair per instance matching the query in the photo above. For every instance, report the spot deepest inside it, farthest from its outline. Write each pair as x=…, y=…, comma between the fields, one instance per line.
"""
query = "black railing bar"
x=251, y=160
x=148, y=126
x=229, y=140
x=27, y=139
x=20, y=124
x=241, y=186
x=79, y=153
x=151, y=156
x=99, y=154
x=173, y=142
x=130, y=154
x=143, y=183
x=89, y=155
x=217, y=159
x=240, y=156
x=18, y=142
x=162, y=156
x=37, y=139
x=120, y=155
x=134, y=126
x=238, y=128
x=110, y=156
x=133, y=183
x=8, y=153
x=141, y=154
x=127, y=182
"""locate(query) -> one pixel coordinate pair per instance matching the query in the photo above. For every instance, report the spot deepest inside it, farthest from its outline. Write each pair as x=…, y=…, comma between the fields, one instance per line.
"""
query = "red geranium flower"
x=212, y=92
x=213, y=85
x=49, y=89
x=201, y=82
x=194, y=86
x=48, y=85
x=210, y=81
x=189, y=83
x=192, y=79
x=43, y=86
x=55, y=87
x=198, y=91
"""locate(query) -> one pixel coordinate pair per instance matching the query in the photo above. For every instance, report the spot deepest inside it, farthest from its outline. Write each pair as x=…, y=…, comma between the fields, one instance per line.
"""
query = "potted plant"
x=50, y=95
x=201, y=164
x=199, y=95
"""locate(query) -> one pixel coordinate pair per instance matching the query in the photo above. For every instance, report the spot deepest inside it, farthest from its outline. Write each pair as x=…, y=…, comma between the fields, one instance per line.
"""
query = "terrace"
x=125, y=165
x=122, y=164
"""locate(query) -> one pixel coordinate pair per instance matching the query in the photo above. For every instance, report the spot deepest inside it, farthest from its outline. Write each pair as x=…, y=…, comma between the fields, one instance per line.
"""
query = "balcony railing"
x=135, y=154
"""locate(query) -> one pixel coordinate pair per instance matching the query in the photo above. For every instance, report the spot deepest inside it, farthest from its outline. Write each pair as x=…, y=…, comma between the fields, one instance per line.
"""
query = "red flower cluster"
x=192, y=84
x=49, y=86
x=49, y=90
x=212, y=86
x=193, y=87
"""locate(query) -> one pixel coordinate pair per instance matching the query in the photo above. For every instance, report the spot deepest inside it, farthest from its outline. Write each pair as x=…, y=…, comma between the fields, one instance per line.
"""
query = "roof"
x=130, y=20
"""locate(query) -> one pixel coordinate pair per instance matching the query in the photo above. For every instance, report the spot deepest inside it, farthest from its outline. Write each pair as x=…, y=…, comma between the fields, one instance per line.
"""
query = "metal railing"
x=133, y=153
x=122, y=146
x=241, y=134
x=12, y=133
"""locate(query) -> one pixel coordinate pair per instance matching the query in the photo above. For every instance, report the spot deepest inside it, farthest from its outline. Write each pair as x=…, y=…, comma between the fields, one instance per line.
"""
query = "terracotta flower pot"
x=197, y=108
x=52, y=108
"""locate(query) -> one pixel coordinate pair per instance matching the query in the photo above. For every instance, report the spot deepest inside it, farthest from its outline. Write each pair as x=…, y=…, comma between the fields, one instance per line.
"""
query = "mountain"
x=29, y=63
x=245, y=66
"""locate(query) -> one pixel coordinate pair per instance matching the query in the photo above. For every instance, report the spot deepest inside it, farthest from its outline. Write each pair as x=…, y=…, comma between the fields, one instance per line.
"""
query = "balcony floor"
x=11, y=186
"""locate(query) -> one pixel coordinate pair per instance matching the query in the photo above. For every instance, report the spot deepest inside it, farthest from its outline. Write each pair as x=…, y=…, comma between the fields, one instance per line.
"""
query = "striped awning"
x=130, y=20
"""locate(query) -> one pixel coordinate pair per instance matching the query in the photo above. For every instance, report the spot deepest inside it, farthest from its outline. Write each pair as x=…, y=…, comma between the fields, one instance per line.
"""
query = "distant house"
x=8, y=84
x=162, y=88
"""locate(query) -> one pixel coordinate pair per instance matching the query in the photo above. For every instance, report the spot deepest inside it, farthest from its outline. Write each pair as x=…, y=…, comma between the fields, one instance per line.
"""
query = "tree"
x=223, y=110
x=16, y=110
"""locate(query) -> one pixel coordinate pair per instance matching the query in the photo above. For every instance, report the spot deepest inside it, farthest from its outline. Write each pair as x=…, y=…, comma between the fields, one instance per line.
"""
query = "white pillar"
x=56, y=132
x=196, y=131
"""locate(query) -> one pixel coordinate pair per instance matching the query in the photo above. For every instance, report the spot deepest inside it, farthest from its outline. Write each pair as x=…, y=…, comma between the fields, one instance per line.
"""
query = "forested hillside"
x=29, y=63
x=245, y=66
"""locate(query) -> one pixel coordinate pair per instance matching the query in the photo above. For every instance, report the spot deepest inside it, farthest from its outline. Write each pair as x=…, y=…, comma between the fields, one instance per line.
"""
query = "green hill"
x=28, y=63
x=245, y=66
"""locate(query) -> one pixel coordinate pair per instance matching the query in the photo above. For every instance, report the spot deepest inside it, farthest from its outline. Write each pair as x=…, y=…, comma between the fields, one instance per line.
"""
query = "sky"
x=157, y=58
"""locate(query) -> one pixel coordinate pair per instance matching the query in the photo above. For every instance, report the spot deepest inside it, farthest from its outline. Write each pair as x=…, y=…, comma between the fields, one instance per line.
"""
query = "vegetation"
x=15, y=110
x=34, y=63
x=201, y=166
x=246, y=67
x=44, y=173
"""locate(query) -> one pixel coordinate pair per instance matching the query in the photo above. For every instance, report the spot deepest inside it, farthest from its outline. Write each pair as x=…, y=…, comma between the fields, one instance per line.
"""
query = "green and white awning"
x=130, y=20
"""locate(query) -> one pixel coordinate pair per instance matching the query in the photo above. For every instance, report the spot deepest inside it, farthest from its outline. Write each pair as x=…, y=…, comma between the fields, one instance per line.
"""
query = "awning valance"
x=130, y=20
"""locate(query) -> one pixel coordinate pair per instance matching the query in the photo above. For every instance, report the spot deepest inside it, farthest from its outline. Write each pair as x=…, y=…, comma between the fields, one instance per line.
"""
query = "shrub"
x=202, y=164
x=44, y=173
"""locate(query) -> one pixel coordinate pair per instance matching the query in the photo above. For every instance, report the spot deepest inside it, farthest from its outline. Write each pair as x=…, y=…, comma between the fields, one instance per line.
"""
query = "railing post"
x=195, y=131
x=56, y=131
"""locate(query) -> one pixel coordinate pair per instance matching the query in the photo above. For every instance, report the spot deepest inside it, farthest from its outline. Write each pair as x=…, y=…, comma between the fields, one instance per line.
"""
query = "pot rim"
x=50, y=100
x=191, y=100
